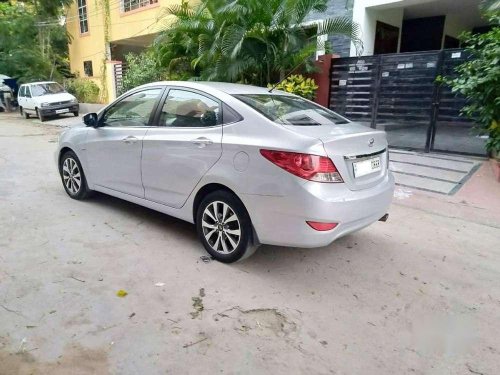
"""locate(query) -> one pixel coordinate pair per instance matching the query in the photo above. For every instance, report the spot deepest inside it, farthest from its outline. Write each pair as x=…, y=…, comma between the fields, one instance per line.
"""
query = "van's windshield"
x=291, y=110
x=40, y=89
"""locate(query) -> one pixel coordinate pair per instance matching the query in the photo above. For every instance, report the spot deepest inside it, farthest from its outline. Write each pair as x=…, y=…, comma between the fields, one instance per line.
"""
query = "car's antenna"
x=286, y=76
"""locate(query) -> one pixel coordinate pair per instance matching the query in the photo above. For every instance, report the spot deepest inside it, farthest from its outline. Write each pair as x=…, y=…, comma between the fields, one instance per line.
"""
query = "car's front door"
x=114, y=148
x=186, y=143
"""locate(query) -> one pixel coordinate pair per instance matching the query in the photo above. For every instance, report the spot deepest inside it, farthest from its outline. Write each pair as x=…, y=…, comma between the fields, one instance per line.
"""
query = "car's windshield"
x=291, y=110
x=40, y=89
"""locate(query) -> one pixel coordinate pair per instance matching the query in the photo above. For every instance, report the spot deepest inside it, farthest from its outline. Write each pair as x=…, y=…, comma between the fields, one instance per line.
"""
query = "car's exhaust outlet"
x=384, y=218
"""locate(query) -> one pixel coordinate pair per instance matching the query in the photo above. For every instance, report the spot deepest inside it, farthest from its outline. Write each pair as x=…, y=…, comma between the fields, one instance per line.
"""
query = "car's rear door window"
x=189, y=109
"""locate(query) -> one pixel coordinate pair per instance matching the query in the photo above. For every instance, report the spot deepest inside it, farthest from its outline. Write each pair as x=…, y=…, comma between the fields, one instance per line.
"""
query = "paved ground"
x=437, y=173
x=419, y=294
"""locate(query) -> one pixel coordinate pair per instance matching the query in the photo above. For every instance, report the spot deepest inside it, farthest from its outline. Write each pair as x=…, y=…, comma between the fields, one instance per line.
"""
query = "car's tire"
x=226, y=240
x=73, y=177
x=76, y=113
x=39, y=115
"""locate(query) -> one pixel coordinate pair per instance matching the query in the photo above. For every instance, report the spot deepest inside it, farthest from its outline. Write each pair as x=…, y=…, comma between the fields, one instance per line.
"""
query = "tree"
x=479, y=81
x=251, y=41
x=29, y=48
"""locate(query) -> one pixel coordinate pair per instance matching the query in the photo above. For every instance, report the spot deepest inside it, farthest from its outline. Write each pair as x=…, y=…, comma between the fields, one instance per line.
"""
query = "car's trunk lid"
x=358, y=152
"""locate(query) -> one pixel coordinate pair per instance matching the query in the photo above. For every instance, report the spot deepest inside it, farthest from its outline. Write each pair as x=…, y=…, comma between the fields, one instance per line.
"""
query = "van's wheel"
x=23, y=113
x=39, y=115
x=73, y=177
x=224, y=227
x=75, y=113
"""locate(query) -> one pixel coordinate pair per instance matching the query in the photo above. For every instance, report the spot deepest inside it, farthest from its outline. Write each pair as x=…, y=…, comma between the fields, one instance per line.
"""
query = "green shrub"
x=479, y=81
x=85, y=90
x=298, y=85
x=141, y=69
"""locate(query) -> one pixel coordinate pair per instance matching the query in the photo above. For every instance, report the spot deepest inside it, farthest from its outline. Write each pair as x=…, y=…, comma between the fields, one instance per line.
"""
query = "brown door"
x=386, y=38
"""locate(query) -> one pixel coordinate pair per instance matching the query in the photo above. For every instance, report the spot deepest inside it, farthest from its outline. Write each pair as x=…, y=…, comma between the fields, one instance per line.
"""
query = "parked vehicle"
x=246, y=165
x=44, y=99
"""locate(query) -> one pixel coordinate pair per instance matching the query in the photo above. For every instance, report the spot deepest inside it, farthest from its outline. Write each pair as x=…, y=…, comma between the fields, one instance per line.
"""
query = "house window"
x=87, y=68
x=128, y=5
x=82, y=16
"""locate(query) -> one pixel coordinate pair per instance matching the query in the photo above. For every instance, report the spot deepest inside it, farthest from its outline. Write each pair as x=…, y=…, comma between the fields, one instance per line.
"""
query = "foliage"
x=297, y=84
x=251, y=41
x=85, y=90
x=141, y=69
x=30, y=50
x=479, y=81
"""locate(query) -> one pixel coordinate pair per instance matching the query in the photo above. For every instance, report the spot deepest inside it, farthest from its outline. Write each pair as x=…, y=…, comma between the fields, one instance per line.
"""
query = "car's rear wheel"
x=23, y=112
x=73, y=177
x=224, y=227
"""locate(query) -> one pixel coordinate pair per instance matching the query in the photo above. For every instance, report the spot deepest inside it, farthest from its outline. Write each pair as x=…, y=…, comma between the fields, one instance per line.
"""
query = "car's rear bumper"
x=53, y=110
x=282, y=220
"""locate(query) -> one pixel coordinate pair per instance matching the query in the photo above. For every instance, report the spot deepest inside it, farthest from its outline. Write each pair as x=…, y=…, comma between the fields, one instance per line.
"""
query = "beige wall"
x=92, y=45
x=367, y=18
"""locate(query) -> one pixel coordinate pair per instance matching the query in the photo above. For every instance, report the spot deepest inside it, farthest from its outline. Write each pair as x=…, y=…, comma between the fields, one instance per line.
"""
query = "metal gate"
x=398, y=93
x=119, y=71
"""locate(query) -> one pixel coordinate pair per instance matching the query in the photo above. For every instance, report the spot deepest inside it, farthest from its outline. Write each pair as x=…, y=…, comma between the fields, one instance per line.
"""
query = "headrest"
x=191, y=107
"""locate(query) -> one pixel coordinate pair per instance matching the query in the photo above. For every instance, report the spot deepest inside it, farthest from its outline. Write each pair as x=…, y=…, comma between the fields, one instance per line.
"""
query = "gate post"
x=431, y=131
x=376, y=92
x=323, y=80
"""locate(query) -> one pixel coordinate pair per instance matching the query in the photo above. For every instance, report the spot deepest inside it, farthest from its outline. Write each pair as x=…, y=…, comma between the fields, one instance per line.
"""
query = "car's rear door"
x=184, y=145
x=29, y=103
x=114, y=148
x=20, y=96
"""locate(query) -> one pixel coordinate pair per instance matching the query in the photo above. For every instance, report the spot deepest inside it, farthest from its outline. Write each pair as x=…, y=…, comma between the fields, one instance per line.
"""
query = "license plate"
x=64, y=110
x=362, y=168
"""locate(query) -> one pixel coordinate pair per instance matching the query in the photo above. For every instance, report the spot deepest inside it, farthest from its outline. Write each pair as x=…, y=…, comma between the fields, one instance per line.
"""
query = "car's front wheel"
x=40, y=116
x=224, y=227
x=73, y=177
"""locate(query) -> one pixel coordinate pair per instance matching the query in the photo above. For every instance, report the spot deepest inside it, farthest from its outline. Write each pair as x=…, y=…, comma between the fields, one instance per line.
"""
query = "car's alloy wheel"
x=221, y=227
x=71, y=176
x=224, y=227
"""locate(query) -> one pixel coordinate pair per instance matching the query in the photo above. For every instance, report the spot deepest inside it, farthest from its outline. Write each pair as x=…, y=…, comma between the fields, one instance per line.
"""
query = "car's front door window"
x=189, y=109
x=134, y=110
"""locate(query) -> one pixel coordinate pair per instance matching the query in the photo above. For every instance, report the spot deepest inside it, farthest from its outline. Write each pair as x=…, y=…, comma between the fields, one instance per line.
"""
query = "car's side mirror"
x=90, y=119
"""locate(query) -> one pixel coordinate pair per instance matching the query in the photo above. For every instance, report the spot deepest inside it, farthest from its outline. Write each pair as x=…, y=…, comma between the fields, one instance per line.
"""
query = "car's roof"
x=228, y=88
x=38, y=83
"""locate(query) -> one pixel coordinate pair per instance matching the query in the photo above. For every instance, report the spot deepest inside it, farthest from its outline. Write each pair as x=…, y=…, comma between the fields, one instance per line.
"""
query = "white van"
x=44, y=99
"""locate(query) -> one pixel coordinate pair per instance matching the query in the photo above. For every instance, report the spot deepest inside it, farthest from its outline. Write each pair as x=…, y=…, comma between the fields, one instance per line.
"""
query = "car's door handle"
x=130, y=139
x=202, y=142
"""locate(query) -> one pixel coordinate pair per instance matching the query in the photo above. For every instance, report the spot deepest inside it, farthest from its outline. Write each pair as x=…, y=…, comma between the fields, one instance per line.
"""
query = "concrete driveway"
x=419, y=294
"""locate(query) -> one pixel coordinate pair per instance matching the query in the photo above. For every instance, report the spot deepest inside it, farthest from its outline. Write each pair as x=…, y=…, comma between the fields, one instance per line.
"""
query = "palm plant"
x=251, y=41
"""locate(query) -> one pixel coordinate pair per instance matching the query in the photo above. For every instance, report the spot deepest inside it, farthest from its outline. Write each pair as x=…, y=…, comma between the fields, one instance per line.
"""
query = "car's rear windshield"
x=291, y=110
x=40, y=89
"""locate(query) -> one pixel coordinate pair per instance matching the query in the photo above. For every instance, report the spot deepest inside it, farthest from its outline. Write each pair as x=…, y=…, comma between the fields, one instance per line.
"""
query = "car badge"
x=371, y=142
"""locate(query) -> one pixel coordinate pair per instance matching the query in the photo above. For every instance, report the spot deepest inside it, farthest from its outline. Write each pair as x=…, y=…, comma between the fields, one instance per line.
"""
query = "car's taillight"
x=310, y=167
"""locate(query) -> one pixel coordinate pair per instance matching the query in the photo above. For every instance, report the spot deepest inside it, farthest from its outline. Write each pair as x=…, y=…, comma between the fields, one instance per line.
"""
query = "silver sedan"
x=246, y=165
